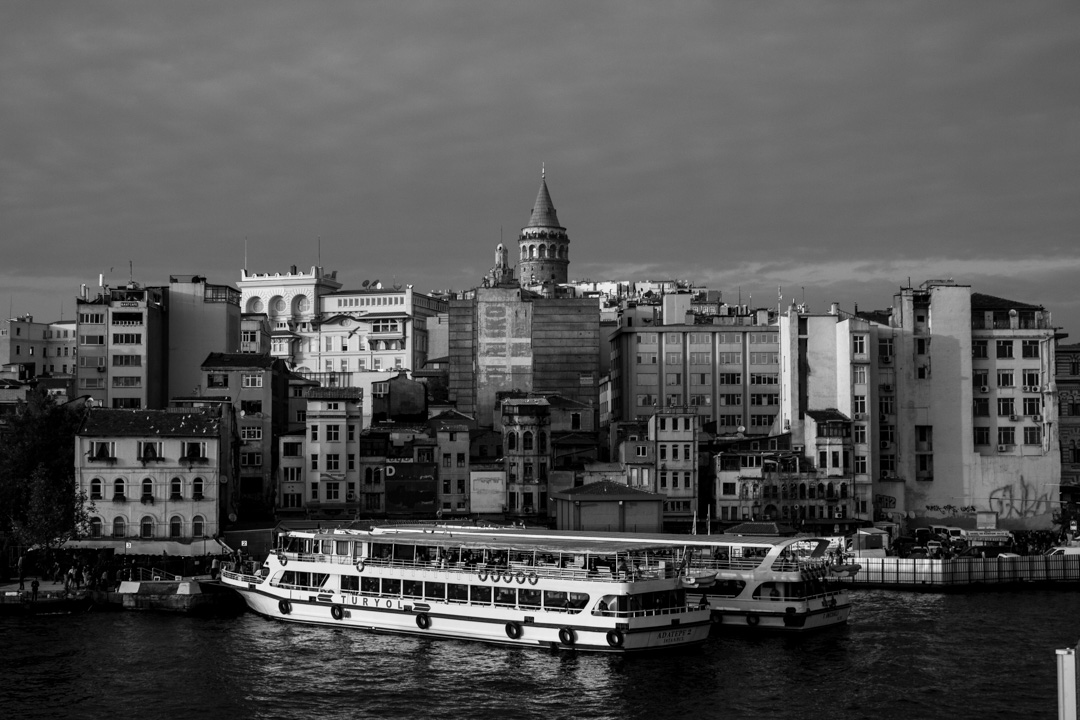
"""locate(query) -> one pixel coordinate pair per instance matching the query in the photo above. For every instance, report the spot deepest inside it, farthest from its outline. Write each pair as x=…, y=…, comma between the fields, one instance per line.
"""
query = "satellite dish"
x=242, y=413
x=365, y=283
x=742, y=428
x=376, y=284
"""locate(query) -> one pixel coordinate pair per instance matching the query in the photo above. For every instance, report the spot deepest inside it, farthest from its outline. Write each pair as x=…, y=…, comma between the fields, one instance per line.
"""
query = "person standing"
x=21, y=567
x=33, y=590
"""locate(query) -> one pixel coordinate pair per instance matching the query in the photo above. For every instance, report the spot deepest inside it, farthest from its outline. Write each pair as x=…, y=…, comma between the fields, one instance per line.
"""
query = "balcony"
x=147, y=499
x=119, y=498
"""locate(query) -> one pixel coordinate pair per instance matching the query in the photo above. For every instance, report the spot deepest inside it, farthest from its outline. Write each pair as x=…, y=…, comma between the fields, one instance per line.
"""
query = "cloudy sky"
x=833, y=149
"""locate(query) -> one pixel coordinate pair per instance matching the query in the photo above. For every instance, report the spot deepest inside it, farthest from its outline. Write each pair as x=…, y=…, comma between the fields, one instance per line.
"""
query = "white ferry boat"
x=768, y=583
x=536, y=588
x=755, y=582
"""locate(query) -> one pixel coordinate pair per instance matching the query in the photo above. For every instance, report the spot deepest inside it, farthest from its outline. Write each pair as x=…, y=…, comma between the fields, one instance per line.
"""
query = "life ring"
x=513, y=630
x=508, y=577
x=284, y=606
x=533, y=578
x=336, y=612
x=360, y=565
x=752, y=619
x=567, y=636
x=615, y=638
x=481, y=576
x=282, y=559
x=423, y=621
x=520, y=577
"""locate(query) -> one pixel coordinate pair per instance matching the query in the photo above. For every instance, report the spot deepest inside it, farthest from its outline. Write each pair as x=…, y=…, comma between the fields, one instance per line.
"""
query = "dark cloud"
x=831, y=146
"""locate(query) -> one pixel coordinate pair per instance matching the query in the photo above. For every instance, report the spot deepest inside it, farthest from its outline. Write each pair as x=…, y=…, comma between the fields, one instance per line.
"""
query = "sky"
x=825, y=151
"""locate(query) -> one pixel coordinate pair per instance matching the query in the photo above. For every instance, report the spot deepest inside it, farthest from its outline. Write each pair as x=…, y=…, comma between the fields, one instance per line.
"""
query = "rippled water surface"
x=902, y=655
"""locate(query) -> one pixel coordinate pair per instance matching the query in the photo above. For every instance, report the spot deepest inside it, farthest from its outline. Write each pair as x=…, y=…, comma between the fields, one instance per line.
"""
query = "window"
x=700, y=358
x=982, y=435
x=150, y=450
x=673, y=379
x=333, y=462
x=1032, y=405
x=86, y=340
x=333, y=433
x=251, y=380
x=127, y=338
x=126, y=360
x=731, y=399
x=247, y=336
x=860, y=464
x=194, y=450
x=176, y=487
x=860, y=434
x=250, y=407
x=95, y=527
x=146, y=527
x=1031, y=377
x=858, y=344
x=291, y=449
x=1004, y=348
x=981, y=407
x=198, y=528
x=575, y=421
x=1005, y=378
x=314, y=433
x=446, y=460
x=1029, y=348
x=764, y=358
x=860, y=375
x=1005, y=407
x=858, y=404
x=461, y=459
x=217, y=380
x=761, y=420
x=673, y=358
x=729, y=358
x=292, y=474
x=251, y=458
x=1006, y=435
x=922, y=346
x=301, y=416
x=979, y=349
x=250, y=433
x=197, y=489
x=646, y=358
x=527, y=440
x=1032, y=435
x=119, y=527
x=764, y=399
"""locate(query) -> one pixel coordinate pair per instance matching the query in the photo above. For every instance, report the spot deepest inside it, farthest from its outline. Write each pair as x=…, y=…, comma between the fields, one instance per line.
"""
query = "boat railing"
x=241, y=577
x=642, y=571
x=656, y=612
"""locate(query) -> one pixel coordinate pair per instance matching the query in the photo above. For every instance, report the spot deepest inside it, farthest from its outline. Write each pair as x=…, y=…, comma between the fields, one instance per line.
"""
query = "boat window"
x=380, y=550
x=319, y=579
x=350, y=583
x=727, y=588
x=412, y=588
x=457, y=593
x=301, y=579
x=341, y=547
x=369, y=585
x=435, y=590
x=556, y=600
x=480, y=594
x=358, y=549
x=578, y=601
x=529, y=598
x=391, y=586
x=769, y=590
x=404, y=553
x=505, y=596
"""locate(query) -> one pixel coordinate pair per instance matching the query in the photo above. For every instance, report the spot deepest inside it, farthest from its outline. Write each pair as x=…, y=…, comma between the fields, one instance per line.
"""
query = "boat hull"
x=506, y=626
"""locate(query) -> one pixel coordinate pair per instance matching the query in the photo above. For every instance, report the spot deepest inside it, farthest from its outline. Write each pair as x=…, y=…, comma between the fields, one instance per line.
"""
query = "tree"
x=37, y=471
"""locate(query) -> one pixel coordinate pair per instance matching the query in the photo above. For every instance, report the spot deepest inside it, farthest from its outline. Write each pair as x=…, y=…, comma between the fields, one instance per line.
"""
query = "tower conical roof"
x=543, y=212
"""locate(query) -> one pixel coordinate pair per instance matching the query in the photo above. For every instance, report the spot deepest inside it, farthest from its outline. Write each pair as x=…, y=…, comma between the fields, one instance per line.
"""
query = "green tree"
x=38, y=494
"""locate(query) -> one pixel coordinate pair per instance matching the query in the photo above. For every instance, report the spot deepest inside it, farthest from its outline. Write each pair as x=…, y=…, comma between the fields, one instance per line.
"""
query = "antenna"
x=320, y=251
x=131, y=272
x=245, y=253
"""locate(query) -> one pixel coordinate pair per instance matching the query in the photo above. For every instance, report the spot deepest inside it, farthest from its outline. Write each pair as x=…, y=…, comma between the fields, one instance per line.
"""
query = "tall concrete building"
x=1068, y=395
x=203, y=318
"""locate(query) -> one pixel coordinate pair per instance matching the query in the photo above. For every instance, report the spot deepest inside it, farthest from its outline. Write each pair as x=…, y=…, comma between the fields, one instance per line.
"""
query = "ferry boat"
x=538, y=588
x=769, y=583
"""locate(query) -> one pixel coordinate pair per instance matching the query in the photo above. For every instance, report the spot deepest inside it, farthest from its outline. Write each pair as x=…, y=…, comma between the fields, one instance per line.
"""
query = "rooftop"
x=107, y=422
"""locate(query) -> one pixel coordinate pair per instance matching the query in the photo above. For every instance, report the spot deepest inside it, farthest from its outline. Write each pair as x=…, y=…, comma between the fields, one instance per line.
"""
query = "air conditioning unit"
x=884, y=444
x=1027, y=388
x=860, y=416
x=1037, y=418
x=884, y=417
x=886, y=388
x=1014, y=418
x=984, y=389
x=1003, y=448
x=886, y=359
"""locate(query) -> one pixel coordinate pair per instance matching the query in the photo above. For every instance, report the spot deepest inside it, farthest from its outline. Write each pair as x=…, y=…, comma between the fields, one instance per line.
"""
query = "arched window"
x=119, y=528
x=198, y=529
x=176, y=526
x=821, y=490
x=511, y=440
x=830, y=491
x=95, y=489
x=368, y=476
x=543, y=441
x=802, y=491
x=197, y=488
x=118, y=489
x=543, y=252
x=95, y=527
x=378, y=475
x=527, y=440
x=532, y=252
x=146, y=527
x=147, y=488
x=843, y=490
x=255, y=305
x=175, y=487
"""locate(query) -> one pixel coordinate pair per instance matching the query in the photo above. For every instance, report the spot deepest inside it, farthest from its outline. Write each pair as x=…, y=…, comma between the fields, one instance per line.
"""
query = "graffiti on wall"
x=1019, y=500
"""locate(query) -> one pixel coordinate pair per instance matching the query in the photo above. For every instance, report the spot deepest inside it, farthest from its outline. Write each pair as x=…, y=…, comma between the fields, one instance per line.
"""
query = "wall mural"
x=1019, y=500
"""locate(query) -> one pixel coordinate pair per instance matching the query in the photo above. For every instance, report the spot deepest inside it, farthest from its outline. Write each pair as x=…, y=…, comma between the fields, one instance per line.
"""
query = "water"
x=902, y=655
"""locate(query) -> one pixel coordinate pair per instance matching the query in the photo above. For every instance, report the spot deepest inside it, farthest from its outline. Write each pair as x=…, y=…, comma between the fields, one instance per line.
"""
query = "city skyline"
x=834, y=151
